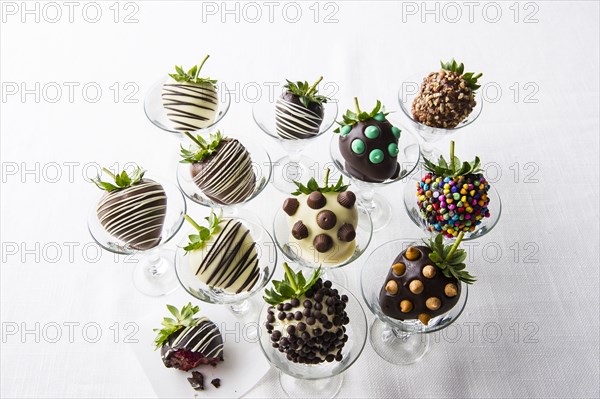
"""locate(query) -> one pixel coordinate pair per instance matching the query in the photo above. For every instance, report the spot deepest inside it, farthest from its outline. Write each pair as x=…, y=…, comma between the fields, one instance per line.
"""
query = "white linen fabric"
x=72, y=99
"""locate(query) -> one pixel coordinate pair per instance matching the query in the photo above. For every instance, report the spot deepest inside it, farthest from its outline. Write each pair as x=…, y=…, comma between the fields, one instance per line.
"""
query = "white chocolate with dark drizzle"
x=190, y=106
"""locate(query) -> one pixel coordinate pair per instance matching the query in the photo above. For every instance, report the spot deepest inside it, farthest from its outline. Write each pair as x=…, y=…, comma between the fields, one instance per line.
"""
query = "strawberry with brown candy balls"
x=424, y=281
x=369, y=144
x=446, y=97
x=323, y=221
x=307, y=319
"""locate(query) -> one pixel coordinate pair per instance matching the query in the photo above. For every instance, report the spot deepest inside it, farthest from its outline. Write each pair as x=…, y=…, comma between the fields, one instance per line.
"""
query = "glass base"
x=288, y=169
x=300, y=388
x=155, y=274
x=380, y=210
x=397, y=347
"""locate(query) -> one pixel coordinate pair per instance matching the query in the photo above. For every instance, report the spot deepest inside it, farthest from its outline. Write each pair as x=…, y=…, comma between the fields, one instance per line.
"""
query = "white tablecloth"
x=530, y=328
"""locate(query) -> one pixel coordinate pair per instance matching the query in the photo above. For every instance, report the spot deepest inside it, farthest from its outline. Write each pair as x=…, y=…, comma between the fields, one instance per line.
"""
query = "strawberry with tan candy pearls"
x=424, y=281
x=323, y=221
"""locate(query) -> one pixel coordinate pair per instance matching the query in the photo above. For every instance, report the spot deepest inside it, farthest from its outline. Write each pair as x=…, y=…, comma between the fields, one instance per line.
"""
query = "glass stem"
x=153, y=266
x=367, y=196
x=239, y=308
x=391, y=334
x=294, y=156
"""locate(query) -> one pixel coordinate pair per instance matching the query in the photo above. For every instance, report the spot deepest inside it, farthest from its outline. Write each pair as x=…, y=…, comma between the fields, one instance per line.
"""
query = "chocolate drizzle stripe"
x=204, y=338
x=228, y=176
x=295, y=121
x=179, y=98
x=228, y=261
x=131, y=213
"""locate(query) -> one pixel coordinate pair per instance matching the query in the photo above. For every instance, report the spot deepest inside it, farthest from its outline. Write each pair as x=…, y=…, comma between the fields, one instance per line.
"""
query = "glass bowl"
x=154, y=274
x=239, y=303
x=429, y=135
x=486, y=225
x=261, y=164
x=156, y=113
x=398, y=341
x=379, y=208
x=322, y=380
x=294, y=166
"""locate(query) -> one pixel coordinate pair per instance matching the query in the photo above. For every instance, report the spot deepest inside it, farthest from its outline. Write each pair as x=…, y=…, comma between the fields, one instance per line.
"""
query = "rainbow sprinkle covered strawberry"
x=453, y=197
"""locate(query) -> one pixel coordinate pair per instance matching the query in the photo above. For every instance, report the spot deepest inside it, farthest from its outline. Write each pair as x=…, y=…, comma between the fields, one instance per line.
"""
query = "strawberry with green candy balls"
x=453, y=197
x=323, y=221
x=369, y=144
x=299, y=111
x=133, y=209
x=306, y=320
x=189, y=100
x=446, y=97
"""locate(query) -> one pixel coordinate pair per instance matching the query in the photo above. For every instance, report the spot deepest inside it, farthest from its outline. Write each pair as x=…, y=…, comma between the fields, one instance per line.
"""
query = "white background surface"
x=550, y=214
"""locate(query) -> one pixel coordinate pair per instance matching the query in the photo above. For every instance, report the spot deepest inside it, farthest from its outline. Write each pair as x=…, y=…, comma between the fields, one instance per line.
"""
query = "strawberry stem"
x=357, y=106
x=195, y=140
x=326, y=177
x=289, y=274
x=192, y=222
x=313, y=87
x=456, y=244
x=108, y=172
x=200, y=66
x=452, y=156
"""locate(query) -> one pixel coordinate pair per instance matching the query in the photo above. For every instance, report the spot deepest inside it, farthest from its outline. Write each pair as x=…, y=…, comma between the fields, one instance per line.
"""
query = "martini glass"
x=154, y=274
x=261, y=165
x=156, y=113
x=399, y=341
x=379, y=208
x=294, y=166
x=430, y=135
x=323, y=380
x=240, y=304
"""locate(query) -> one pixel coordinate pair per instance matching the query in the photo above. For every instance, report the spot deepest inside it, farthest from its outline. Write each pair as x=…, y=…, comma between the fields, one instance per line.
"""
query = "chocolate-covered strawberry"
x=453, y=196
x=190, y=100
x=220, y=167
x=446, y=97
x=133, y=209
x=323, y=221
x=187, y=342
x=369, y=144
x=299, y=111
x=424, y=281
x=306, y=320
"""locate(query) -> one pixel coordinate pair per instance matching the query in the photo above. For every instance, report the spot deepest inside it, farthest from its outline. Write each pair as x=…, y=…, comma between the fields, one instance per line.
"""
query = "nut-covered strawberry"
x=221, y=167
x=187, y=342
x=306, y=320
x=190, y=100
x=424, y=281
x=299, y=111
x=323, y=221
x=133, y=209
x=446, y=97
x=369, y=144
x=453, y=197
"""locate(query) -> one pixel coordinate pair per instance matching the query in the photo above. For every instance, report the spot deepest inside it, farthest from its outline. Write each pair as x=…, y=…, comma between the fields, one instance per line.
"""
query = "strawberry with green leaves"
x=190, y=100
x=453, y=195
x=307, y=318
x=424, y=281
x=299, y=111
x=447, y=97
x=369, y=144
x=133, y=209
x=186, y=341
